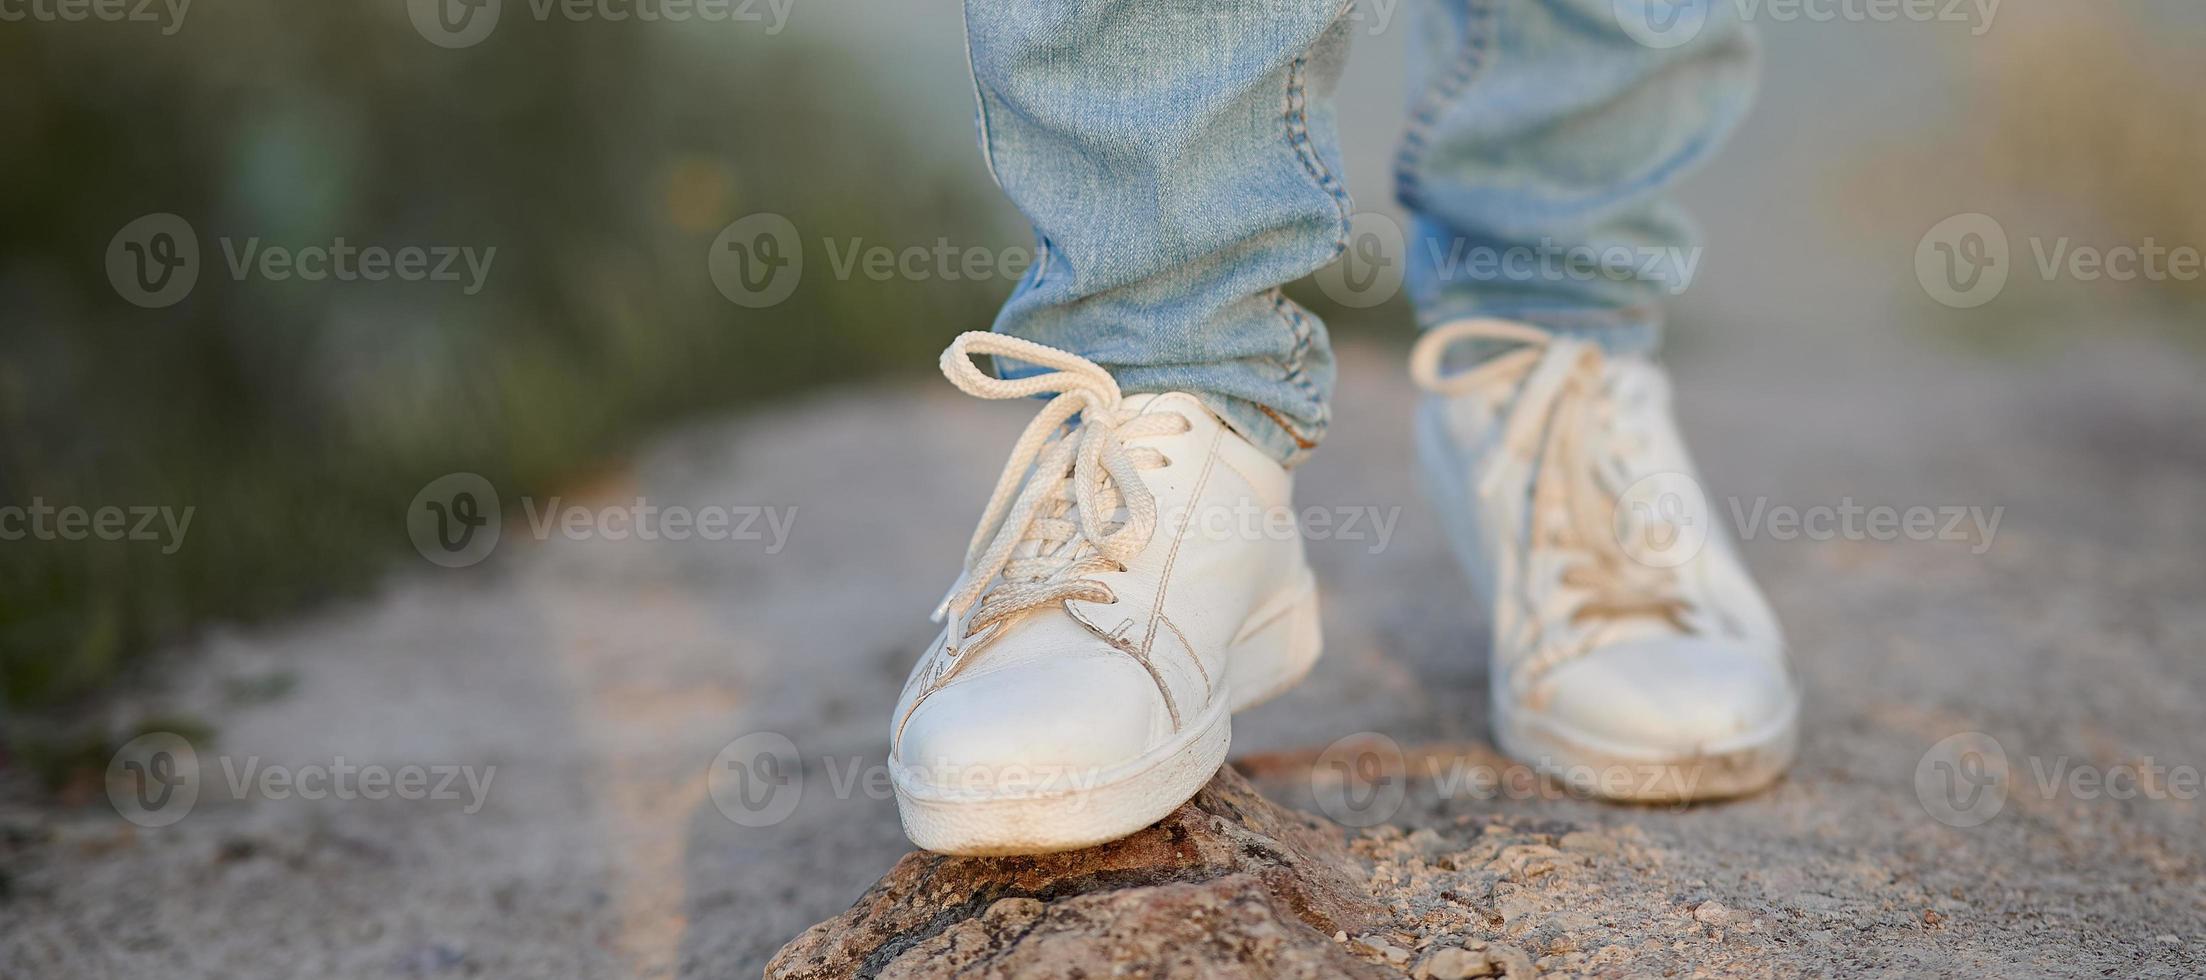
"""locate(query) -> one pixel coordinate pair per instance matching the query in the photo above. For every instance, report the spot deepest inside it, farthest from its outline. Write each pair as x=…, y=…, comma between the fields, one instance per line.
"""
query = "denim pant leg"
x=1179, y=163
x=1543, y=137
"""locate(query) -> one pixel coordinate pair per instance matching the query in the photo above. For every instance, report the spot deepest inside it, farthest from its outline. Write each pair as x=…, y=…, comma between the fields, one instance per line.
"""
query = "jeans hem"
x=1267, y=429
x=1630, y=330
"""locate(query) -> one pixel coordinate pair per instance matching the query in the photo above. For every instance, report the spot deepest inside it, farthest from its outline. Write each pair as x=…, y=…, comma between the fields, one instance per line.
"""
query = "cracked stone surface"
x=1227, y=885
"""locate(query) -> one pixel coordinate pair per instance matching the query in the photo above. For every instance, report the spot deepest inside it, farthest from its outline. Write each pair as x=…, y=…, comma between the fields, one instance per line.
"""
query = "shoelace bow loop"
x=1558, y=419
x=1091, y=470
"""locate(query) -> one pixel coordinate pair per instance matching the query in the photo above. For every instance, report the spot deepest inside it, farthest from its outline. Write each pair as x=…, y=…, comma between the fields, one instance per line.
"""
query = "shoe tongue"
x=1631, y=629
x=1636, y=381
x=1138, y=404
x=1178, y=402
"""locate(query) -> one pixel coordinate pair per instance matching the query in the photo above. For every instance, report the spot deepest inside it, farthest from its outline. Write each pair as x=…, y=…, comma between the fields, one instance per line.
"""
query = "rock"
x=1509, y=961
x=1588, y=842
x=1378, y=946
x=1453, y=963
x=1228, y=885
x=1457, y=963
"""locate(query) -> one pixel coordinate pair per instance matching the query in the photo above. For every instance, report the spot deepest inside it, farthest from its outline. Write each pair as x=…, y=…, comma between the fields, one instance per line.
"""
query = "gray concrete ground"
x=601, y=678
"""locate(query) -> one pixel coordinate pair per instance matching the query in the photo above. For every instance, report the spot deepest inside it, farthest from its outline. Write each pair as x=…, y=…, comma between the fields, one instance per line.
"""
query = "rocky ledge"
x=1229, y=885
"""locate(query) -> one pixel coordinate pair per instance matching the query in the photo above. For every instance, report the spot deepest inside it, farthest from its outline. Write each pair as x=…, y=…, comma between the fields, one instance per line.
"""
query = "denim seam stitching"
x=1299, y=328
x=1470, y=62
x=980, y=101
x=1298, y=325
x=1297, y=120
x=1313, y=164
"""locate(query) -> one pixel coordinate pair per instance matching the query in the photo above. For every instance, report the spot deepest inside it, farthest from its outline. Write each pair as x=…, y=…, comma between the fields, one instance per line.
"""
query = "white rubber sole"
x=1062, y=811
x=1733, y=766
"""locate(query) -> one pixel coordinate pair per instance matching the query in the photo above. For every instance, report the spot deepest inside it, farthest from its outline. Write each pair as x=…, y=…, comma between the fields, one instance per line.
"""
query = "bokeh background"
x=601, y=160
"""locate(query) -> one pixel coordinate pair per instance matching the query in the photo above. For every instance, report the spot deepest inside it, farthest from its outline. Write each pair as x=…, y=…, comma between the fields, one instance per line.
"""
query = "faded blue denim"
x=1179, y=162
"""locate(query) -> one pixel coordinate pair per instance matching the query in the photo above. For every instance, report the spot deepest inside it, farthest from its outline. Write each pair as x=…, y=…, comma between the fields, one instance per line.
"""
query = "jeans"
x=1179, y=162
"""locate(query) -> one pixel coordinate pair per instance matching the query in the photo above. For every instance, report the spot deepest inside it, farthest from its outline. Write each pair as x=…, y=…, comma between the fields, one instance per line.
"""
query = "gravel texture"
x=603, y=679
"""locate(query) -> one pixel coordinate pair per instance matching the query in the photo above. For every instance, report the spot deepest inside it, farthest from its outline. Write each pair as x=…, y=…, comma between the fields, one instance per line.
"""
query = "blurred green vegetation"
x=2097, y=126
x=300, y=419
x=2076, y=127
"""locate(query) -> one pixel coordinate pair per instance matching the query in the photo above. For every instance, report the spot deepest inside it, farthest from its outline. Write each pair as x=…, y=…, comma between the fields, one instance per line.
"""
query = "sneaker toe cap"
x=1030, y=725
x=1666, y=697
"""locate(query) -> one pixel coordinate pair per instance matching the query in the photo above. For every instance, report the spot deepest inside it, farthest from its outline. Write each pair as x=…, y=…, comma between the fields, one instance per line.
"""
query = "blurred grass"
x=2098, y=113
x=2069, y=121
x=300, y=419
x=2094, y=127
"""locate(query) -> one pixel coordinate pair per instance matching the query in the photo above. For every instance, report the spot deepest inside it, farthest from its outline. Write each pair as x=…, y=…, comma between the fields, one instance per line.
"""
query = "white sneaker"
x=1117, y=605
x=1632, y=656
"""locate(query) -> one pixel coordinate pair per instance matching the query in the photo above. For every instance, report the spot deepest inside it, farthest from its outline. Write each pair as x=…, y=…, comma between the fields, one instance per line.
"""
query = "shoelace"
x=1025, y=538
x=1558, y=425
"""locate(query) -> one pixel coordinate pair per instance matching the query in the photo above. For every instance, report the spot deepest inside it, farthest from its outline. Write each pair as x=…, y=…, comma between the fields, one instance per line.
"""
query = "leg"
x=1632, y=654
x=1178, y=164
x=1178, y=161
x=1539, y=152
